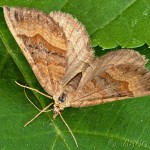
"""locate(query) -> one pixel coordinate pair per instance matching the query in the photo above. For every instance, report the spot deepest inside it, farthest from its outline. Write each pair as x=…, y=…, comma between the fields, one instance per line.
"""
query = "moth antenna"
x=24, y=86
x=32, y=102
x=38, y=114
x=69, y=130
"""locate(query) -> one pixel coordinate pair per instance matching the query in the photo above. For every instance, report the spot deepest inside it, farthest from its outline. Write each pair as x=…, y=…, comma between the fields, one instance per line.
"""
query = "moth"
x=59, y=52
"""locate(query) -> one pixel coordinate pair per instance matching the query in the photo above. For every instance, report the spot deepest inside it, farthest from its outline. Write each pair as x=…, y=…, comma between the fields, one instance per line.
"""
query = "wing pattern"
x=59, y=51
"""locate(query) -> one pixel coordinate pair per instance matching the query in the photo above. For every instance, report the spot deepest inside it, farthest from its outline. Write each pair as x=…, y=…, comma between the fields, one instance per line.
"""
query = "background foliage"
x=125, y=124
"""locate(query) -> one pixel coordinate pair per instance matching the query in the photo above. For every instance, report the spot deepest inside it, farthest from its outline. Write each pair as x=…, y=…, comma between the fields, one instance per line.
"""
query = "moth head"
x=60, y=103
x=57, y=110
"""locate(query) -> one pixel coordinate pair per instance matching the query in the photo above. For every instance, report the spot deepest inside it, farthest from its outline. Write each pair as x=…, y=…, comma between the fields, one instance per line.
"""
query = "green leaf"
x=117, y=125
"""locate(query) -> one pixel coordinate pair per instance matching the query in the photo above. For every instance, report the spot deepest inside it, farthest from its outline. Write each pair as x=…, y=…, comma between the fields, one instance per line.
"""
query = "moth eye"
x=62, y=98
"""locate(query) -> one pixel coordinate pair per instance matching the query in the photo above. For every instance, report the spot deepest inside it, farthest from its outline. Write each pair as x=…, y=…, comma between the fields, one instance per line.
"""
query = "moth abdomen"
x=73, y=83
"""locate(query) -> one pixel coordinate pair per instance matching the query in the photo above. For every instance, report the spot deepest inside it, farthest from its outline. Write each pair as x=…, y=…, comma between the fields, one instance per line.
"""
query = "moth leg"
x=40, y=111
x=33, y=103
x=38, y=114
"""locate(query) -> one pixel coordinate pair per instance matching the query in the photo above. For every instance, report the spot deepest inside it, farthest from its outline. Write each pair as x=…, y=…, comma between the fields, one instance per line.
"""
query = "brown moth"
x=58, y=49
